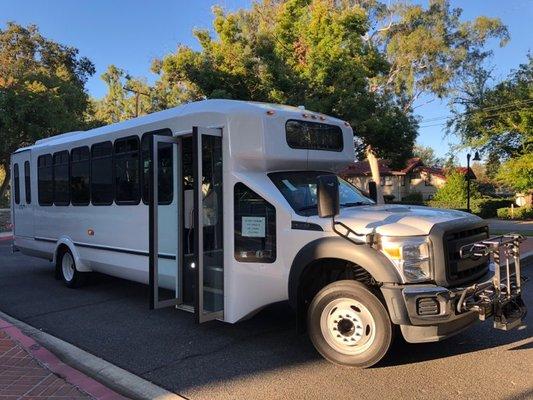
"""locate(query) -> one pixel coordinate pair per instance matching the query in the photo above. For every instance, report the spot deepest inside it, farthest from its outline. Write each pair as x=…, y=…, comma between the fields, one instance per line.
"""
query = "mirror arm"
x=368, y=238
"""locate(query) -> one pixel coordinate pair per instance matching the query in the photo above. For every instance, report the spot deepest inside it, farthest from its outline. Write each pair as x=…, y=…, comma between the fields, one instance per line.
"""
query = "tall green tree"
x=427, y=156
x=126, y=98
x=499, y=121
x=42, y=89
x=363, y=61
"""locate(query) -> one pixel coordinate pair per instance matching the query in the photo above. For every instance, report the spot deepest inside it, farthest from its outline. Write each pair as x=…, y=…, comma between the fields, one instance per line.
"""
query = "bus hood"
x=398, y=220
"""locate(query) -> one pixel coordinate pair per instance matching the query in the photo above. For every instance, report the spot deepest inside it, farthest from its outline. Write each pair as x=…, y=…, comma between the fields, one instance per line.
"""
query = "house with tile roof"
x=399, y=183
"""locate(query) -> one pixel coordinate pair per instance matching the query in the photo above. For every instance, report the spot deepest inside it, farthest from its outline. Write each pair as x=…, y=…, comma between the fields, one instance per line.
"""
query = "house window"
x=388, y=181
x=255, y=226
x=402, y=180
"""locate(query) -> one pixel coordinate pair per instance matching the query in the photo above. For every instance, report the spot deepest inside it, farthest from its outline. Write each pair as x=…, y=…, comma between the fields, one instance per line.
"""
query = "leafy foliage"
x=521, y=213
x=427, y=156
x=332, y=57
x=41, y=89
x=517, y=173
x=499, y=121
x=454, y=191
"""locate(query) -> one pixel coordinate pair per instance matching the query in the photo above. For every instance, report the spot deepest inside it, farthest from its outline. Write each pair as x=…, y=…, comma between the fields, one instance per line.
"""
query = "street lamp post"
x=469, y=177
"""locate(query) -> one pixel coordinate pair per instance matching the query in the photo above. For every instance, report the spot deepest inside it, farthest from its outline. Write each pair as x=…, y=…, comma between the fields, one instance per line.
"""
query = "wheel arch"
x=66, y=242
x=363, y=256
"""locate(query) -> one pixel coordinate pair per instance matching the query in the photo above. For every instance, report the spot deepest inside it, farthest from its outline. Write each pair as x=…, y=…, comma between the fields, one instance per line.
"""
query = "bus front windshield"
x=299, y=188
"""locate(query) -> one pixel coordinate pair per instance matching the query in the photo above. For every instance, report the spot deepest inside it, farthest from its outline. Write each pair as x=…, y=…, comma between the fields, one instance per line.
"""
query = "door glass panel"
x=165, y=249
x=212, y=218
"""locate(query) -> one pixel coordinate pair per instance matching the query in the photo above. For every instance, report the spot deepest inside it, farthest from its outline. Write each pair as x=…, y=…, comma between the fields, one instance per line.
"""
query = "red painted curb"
x=6, y=238
x=50, y=361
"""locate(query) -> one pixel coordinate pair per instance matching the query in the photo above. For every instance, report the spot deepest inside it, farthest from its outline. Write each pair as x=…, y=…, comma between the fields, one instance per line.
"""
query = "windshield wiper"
x=355, y=203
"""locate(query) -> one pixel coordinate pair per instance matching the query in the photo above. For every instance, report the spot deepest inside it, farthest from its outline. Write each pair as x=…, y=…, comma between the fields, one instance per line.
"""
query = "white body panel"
x=254, y=143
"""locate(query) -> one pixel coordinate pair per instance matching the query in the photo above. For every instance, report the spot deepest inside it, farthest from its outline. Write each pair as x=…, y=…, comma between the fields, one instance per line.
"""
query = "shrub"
x=455, y=188
x=517, y=213
x=488, y=207
x=388, y=198
x=413, y=198
x=485, y=207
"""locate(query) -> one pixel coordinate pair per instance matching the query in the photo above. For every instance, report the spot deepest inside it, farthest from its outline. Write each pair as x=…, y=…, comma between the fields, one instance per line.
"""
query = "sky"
x=131, y=34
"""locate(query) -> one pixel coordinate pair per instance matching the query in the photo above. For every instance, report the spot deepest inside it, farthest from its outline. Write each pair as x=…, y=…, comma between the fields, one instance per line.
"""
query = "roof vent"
x=301, y=107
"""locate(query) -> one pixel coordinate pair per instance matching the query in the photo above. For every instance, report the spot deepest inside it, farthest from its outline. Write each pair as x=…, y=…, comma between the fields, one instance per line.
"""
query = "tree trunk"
x=5, y=183
x=374, y=167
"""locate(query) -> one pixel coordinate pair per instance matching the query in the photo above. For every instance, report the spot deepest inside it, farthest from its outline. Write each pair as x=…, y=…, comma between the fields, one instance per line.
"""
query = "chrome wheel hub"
x=348, y=326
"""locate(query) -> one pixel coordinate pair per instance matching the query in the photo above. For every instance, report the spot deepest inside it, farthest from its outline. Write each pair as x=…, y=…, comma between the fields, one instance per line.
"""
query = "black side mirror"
x=327, y=195
x=373, y=191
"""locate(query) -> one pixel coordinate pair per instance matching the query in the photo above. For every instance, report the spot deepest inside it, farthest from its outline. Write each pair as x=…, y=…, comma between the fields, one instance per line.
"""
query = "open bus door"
x=165, y=259
x=208, y=223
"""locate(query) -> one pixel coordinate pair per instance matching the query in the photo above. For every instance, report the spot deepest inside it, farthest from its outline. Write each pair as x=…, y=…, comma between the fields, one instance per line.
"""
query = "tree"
x=41, y=89
x=335, y=58
x=126, y=98
x=517, y=173
x=427, y=155
x=454, y=191
x=499, y=120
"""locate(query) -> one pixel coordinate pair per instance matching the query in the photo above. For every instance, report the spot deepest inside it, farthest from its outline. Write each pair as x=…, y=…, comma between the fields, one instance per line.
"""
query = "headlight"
x=410, y=255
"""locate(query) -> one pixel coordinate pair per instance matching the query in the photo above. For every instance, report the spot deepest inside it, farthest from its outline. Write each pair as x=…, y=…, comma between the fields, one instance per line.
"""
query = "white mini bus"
x=224, y=207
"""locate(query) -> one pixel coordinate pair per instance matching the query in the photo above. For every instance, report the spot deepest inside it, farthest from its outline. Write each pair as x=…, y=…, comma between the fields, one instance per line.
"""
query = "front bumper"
x=429, y=313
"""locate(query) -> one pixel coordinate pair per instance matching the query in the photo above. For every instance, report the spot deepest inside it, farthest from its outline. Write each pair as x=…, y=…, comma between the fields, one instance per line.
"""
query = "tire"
x=349, y=325
x=71, y=277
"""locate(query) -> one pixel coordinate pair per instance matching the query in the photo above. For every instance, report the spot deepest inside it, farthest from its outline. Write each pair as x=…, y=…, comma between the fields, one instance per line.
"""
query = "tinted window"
x=102, y=173
x=255, y=227
x=61, y=178
x=45, y=174
x=27, y=181
x=16, y=180
x=166, y=168
x=299, y=188
x=80, y=167
x=127, y=170
x=313, y=136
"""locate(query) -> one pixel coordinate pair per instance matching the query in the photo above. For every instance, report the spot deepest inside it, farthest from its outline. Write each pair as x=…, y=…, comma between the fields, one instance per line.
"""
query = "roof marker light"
x=305, y=115
x=270, y=112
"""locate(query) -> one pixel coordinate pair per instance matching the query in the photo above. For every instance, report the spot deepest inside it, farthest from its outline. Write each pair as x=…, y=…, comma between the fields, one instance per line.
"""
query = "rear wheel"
x=67, y=268
x=349, y=325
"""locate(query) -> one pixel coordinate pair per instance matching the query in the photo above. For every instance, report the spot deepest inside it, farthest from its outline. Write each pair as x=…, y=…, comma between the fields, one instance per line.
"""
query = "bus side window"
x=17, y=183
x=102, y=174
x=80, y=166
x=27, y=182
x=127, y=171
x=255, y=226
x=45, y=174
x=61, y=178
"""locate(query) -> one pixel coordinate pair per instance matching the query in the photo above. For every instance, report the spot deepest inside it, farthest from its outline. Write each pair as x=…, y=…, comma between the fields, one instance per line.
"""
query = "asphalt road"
x=260, y=358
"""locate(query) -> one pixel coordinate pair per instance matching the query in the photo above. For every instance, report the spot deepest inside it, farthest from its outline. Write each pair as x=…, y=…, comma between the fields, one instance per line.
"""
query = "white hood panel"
x=398, y=220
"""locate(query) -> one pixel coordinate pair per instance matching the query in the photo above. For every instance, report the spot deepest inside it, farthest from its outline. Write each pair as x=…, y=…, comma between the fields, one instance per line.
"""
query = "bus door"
x=165, y=259
x=208, y=223
x=22, y=198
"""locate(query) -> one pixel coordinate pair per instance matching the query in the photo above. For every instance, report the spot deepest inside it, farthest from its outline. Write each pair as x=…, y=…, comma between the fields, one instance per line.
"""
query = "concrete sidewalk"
x=29, y=371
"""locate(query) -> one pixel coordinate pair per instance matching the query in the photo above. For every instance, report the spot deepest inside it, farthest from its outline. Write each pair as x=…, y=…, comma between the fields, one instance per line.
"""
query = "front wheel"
x=349, y=325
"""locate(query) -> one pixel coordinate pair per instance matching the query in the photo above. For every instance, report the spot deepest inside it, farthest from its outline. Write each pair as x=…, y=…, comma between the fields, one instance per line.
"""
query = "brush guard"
x=499, y=297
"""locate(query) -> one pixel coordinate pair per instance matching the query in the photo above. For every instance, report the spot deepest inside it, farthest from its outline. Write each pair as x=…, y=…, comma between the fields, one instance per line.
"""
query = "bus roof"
x=219, y=106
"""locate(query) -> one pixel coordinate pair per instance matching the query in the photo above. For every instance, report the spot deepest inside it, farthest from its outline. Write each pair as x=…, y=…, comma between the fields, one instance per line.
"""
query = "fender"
x=375, y=263
x=80, y=265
